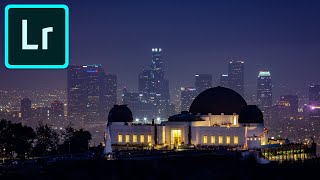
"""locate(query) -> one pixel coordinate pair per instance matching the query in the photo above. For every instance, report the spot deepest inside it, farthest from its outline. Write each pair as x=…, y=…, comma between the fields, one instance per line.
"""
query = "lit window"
x=141, y=138
x=205, y=139
x=120, y=138
x=213, y=139
x=220, y=140
x=149, y=138
x=228, y=140
x=135, y=138
x=127, y=138
x=235, y=140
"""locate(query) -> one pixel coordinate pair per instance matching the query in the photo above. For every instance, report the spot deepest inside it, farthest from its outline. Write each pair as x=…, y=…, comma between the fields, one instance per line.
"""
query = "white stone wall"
x=116, y=129
x=218, y=131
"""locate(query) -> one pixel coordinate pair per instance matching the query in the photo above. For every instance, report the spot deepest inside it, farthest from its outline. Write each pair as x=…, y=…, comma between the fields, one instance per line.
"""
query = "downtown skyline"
x=281, y=40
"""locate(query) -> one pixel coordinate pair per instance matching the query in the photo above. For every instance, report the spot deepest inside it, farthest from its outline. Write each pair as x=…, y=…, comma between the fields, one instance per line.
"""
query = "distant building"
x=110, y=82
x=264, y=93
x=289, y=105
x=88, y=93
x=154, y=87
x=188, y=94
x=203, y=82
x=57, y=109
x=224, y=80
x=314, y=101
x=236, y=75
x=142, y=111
x=25, y=108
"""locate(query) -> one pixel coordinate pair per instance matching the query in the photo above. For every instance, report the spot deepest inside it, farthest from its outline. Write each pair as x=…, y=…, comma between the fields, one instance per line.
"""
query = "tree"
x=23, y=139
x=16, y=138
x=75, y=141
x=47, y=140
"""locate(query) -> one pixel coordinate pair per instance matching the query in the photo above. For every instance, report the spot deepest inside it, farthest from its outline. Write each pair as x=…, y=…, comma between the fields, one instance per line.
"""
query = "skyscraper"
x=224, y=80
x=77, y=92
x=110, y=82
x=203, y=82
x=25, y=108
x=159, y=84
x=96, y=104
x=236, y=75
x=264, y=93
x=153, y=86
x=87, y=93
x=188, y=94
x=289, y=105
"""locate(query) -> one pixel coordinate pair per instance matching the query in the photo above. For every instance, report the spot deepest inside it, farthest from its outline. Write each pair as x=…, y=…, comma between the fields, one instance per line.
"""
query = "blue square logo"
x=36, y=36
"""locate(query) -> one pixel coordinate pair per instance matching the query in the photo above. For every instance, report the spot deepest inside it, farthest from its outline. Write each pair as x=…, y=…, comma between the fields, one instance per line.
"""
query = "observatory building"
x=217, y=117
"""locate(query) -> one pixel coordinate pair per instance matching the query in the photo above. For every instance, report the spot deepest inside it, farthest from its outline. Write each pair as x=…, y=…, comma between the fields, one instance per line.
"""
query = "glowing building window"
x=235, y=140
x=127, y=138
x=149, y=138
x=120, y=138
x=205, y=139
x=134, y=138
x=213, y=139
x=228, y=139
x=220, y=140
x=141, y=138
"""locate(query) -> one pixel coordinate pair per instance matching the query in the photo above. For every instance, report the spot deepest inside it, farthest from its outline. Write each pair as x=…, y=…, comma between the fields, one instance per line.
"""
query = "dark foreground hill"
x=205, y=167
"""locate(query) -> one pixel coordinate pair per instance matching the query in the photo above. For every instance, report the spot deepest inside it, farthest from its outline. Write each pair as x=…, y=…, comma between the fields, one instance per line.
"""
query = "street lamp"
x=4, y=154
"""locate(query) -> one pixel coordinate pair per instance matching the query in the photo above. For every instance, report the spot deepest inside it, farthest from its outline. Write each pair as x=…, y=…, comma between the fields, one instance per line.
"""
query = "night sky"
x=197, y=36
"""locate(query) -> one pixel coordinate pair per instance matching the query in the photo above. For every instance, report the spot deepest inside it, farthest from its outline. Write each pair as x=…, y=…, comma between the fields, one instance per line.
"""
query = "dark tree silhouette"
x=47, y=140
x=75, y=141
x=16, y=138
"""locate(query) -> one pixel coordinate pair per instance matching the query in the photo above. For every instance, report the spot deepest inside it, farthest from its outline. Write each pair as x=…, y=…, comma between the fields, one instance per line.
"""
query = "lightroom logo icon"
x=36, y=36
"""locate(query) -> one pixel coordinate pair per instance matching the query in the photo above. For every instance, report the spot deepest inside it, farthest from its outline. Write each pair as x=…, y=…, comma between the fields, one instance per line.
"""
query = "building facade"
x=188, y=94
x=203, y=82
x=236, y=75
x=217, y=117
x=264, y=93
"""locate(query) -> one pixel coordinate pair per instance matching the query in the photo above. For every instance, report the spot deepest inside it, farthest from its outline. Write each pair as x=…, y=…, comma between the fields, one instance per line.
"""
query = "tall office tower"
x=140, y=110
x=203, y=82
x=159, y=84
x=236, y=75
x=264, y=93
x=86, y=93
x=57, y=109
x=25, y=108
x=144, y=84
x=154, y=87
x=314, y=101
x=289, y=105
x=224, y=80
x=110, y=82
x=188, y=94
x=77, y=92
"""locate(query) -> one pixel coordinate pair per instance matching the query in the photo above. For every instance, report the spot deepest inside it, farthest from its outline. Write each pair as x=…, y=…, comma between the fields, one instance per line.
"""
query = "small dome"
x=120, y=113
x=218, y=100
x=250, y=114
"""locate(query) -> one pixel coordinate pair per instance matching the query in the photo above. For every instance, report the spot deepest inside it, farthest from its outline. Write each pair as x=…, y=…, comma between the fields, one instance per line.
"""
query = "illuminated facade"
x=264, y=93
x=217, y=117
x=188, y=94
x=203, y=82
x=224, y=80
x=91, y=92
x=236, y=75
